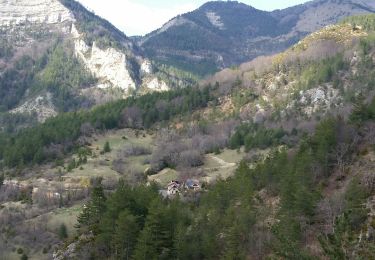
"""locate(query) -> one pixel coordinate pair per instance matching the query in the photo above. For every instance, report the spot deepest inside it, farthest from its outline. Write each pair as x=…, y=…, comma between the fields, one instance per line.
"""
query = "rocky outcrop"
x=28, y=23
x=110, y=66
x=16, y=12
x=215, y=20
x=155, y=84
x=146, y=67
x=41, y=105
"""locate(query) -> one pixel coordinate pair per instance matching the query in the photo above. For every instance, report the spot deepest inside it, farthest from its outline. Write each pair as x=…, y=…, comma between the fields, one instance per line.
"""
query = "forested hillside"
x=272, y=159
x=226, y=33
x=56, y=56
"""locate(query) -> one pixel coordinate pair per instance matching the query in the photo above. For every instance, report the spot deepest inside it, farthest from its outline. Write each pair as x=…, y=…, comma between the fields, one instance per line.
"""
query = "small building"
x=173, y=188
x=192, y=185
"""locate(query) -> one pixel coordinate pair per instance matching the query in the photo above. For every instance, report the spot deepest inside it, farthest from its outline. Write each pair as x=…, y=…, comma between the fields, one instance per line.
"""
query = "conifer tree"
x=93, y=211
x=126, y=233
x=107, y=147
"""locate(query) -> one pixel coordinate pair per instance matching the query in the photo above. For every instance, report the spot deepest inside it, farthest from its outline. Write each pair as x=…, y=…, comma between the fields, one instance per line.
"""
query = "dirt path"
x=223, y=164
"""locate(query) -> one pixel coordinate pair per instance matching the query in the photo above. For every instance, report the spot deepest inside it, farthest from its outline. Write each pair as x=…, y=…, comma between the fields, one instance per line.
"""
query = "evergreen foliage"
x=95, y=28
x=367, y=21
x=106, y=148
x=222, y=223
x=62, y=232
x=255, y=136
x=29, y=146
x=93, y=211
x=57, y=71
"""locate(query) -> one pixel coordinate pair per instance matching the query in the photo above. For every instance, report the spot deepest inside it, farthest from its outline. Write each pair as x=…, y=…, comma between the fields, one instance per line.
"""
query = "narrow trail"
x=223, y=164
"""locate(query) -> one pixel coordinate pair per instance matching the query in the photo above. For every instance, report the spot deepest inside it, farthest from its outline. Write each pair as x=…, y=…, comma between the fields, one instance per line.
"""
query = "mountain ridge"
x=193, y=38
x=93, y=45
x=283, y=141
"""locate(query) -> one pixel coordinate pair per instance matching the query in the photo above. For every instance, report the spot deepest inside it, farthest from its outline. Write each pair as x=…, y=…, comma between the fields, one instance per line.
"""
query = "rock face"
x=156, y=85
x=41, y=105
x=114, y=67
x=110, y=65
x=33, y=29
x=15, y=12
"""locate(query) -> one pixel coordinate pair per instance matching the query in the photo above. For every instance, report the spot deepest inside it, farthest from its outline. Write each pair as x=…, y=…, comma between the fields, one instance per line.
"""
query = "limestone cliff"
x=32, y=27
x=109, y=65
x=16, y=12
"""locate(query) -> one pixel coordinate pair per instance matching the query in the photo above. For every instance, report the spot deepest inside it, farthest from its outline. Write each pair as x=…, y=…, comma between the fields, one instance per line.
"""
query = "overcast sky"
x=138, y=17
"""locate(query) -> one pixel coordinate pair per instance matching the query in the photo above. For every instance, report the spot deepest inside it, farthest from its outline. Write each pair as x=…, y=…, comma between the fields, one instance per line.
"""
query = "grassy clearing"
x=231, y=156
x=94, y=168
x=100, y=165
x=121, y=137
x=164, y=176
x=138, y=162
x=67, y=216
x=221, y=166
x=215, y=167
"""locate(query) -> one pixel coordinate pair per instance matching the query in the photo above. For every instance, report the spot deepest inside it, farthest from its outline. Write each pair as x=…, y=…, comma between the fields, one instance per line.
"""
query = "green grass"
x=93, y=168
x=116, y=140
x=231, y=156
x=67, y=216
x=101, y=164
x=164, y=177
x=215, y=167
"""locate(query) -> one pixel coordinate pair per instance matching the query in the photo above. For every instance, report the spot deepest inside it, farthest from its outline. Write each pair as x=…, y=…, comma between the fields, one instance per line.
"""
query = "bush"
x=107, y=148
x=62, y=232
x=134, y=150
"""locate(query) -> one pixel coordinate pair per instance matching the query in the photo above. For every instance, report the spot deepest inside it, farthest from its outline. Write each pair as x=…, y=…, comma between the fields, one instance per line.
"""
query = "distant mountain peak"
x=220, y=4
x=223, y=33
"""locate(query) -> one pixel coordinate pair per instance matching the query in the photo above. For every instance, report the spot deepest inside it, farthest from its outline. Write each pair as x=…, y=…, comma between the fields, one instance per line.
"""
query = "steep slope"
x=221, y=34
x=320, y=75
x=57, y=56
x=298, y=126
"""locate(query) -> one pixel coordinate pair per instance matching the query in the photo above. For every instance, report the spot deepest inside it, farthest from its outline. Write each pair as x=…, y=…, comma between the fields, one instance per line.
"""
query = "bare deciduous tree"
x=329, y=209
x=132, y=117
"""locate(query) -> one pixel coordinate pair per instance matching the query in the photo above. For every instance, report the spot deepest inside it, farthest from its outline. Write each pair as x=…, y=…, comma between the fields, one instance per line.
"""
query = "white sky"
x=139, y=17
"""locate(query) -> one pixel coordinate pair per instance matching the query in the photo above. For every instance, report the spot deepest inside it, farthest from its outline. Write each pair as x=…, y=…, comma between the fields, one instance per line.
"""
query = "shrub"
x=62, y=232
x=106, y=148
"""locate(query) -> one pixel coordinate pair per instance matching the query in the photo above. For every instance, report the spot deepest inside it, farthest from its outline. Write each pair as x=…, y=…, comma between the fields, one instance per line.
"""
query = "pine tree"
x=63, y=233
x=155, y=238
x=126, y=233
x=338, y=244
x=93, y=211
x=107, y=147
x=1, y=180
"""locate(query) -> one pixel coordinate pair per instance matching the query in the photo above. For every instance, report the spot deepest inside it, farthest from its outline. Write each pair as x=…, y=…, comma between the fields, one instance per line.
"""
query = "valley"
x=111, y=149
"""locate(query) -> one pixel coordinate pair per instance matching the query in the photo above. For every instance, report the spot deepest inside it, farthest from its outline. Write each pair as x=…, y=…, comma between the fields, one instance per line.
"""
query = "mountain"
x=272, y=159
x=56, y=56
x=90, y=62
x=225, y=33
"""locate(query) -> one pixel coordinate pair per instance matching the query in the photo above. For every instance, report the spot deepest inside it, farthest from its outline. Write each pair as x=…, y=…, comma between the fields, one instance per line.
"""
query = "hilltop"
x=225, y=33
